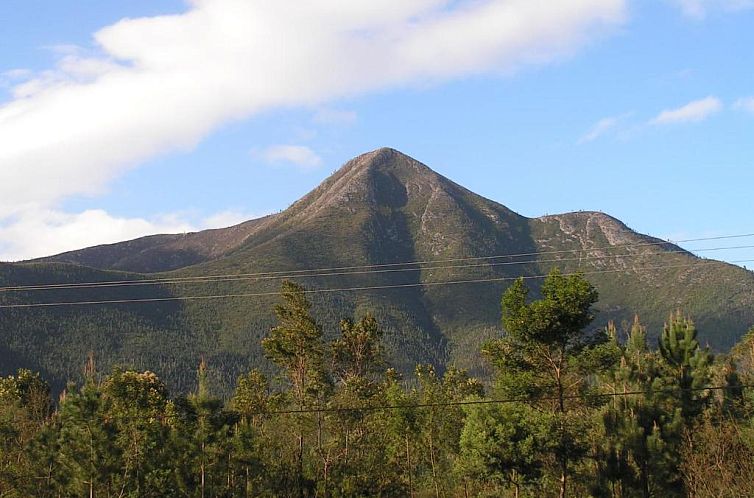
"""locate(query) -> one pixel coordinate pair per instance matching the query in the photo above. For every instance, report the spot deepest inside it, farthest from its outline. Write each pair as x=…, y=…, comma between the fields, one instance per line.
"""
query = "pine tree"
x=296, y=346
x=87, y=456
x=357, y=353
x=202, y=435
x=440, y=427
x=686, y=366
x=357, y=368
x=501, y=444
x=135, y=403
x=636, y=449
x=254, y=447
x=24, y=408
x=547, y=356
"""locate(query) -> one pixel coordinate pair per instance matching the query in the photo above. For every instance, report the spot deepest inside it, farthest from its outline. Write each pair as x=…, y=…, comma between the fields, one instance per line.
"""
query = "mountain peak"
x=384, y=159
x=384, y=175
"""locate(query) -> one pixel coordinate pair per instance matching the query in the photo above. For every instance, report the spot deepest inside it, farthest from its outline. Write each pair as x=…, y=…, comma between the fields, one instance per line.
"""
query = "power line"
x=349, y=289
x=468, y=402
x=385, y=265
x=380, y=268
x=346, y=273
x=521, y=399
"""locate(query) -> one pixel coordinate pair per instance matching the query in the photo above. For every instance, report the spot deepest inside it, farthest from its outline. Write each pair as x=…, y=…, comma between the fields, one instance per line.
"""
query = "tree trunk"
x=645, y=479
x=561, y=406
x=348, y=437
x=247, y=487
x=300, y=478
x=231, y=480
x=432, y=461
x=408, y=464
x=326, y=472
x=201, y=469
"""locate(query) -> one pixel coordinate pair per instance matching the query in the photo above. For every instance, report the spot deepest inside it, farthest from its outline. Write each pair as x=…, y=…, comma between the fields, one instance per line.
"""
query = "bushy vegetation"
x=571, y=410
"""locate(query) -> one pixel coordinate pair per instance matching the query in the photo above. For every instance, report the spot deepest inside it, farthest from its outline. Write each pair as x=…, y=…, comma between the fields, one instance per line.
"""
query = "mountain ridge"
x=351, y=182
x=205, y=245
x=382, y=207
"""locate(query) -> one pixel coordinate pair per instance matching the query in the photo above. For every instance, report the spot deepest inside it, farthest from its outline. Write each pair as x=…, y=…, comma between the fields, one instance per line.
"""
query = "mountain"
x=379, y=209
x=158, y=253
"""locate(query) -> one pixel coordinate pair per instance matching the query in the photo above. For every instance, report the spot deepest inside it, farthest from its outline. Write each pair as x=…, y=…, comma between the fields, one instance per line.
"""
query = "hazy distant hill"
x=380, y=208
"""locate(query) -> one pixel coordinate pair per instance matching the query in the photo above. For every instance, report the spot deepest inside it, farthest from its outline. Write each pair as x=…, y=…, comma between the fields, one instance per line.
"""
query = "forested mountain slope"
x=380, y=208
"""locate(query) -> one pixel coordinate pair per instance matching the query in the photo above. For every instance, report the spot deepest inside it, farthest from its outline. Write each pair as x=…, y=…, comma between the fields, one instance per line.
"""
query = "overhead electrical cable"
x=351, y=289
x=242, y=276
x=467, y=402
x=520, y=399
x=357, y=270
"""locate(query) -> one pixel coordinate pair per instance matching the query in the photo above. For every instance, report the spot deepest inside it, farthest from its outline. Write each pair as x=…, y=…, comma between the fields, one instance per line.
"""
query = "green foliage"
x=384, y=208
x=548, y=359
x=638, y=450
x=358, y=352
x=502, y=444
x=573, y=411
x=24, y=406
x=295, y=344
x=686, y=365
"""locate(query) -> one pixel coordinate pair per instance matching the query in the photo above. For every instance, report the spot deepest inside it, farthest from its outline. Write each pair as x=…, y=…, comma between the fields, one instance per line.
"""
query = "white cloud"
x=163, y=83
x=300, y=155
x=228, y=218
x=334, y=117
x=16, y=74
x=698, y=9
x=697, y=110
x=745, y=103
x=43, y=232
x=11, y=78
x=600, y=128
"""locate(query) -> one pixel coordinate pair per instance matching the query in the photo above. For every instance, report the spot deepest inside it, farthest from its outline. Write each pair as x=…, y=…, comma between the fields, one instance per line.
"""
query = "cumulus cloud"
x=745, y=104
x=697, y=110
x=698, y=9
x=161, y=84
x=43, y=232
x=300, y=155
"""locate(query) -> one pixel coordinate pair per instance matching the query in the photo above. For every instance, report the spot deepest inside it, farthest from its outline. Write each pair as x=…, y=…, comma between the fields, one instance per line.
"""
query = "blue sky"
x=640, y=109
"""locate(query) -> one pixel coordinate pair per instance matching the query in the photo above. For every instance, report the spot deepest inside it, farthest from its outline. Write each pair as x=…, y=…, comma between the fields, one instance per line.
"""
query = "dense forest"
x=570, y=410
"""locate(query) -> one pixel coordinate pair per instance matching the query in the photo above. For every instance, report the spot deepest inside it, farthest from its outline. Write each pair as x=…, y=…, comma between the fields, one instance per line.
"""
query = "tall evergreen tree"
x=440, y=423
x=501, y=446
x=202, y=433
x=256, y=451
x=24, y=407
x=686, y=366
x=357, y=369
x=636, y=452
x=296, y=346
x=135, y=403
x=87, y=455
x=549, y=357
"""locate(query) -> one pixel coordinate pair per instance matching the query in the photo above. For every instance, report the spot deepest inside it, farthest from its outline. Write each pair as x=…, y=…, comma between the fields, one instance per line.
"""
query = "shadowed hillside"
x=380, y=208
